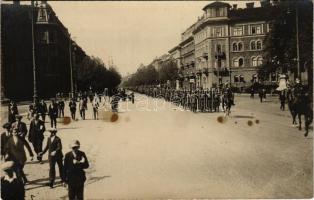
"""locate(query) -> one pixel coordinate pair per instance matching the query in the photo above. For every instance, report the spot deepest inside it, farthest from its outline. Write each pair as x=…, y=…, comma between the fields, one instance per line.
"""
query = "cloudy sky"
x=129, y=32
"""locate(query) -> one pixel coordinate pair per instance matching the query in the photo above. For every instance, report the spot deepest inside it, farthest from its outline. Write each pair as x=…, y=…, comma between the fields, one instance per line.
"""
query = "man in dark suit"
x=75, y=162
x=72, y=106
x=5, y=137
x=21, y=126
x=61, y=108
x=11, y=186
x=36, y=135
x=43, y=110
x=53, y=113
x=54, y=148
x=14, y=151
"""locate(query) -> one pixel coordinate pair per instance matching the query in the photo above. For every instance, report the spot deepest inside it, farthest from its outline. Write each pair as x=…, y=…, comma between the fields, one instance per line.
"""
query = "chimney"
x=250, y=5
x=16, y=2
x=234, y=6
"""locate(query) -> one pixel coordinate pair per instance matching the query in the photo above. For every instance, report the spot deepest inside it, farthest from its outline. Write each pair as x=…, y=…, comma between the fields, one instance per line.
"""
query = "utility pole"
x=33, y=52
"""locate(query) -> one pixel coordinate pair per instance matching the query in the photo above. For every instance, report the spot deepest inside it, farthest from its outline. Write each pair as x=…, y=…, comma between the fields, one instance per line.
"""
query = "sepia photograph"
x=136, y=100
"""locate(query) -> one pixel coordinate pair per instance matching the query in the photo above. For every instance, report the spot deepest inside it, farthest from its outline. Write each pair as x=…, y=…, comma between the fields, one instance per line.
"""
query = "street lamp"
x=71, y=66
x=33, y=54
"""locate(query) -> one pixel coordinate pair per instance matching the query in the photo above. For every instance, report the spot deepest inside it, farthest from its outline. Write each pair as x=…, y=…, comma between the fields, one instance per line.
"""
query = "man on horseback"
x=228, y=99
x=299, y=102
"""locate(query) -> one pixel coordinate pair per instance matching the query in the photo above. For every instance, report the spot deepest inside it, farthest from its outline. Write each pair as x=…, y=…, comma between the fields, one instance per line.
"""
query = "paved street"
x=151, y=153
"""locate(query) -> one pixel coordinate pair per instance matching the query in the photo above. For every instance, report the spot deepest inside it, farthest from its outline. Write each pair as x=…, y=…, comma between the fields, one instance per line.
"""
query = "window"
x=236, y=78
x=256, y=29
x=241, y=62
x=43, y=37
x=259, y=45
x=252, y=45
x=217, y=31
x=254, y=61
x=237, y=46
x=240, y=46
x=237, y=31
x=259, y=61
x=235, y=62
x=42, y=15
x=234, y=47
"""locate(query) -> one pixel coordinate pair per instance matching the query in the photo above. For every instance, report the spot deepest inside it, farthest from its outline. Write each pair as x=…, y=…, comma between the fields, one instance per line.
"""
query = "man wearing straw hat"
x=11, y=187
x=54, y=148
x=75, y=162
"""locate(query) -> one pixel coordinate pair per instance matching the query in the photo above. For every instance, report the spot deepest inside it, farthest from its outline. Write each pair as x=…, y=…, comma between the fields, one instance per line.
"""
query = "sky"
x=130, y=33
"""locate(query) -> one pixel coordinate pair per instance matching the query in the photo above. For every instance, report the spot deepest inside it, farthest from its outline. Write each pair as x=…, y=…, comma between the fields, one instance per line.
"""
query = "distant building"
x=52, y=52
x=225, y=45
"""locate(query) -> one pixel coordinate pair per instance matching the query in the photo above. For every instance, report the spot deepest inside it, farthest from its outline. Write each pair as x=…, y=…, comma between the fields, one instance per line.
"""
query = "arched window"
x=259, y=61
x=252, y=44
x=235, y=62
x=259, y=45
x=254, y=61
x=240, y=46
x=234, y=47
x=241, y=62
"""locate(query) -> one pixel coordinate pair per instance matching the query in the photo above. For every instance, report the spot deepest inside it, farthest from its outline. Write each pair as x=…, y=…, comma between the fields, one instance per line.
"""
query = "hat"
x=7, y=165
x=6, y=125
x=18, y=116
x=53, y=130
x=75, y=143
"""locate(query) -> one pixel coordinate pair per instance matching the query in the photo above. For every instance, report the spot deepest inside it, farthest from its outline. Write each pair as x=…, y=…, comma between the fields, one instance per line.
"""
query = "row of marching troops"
x=199, y=100
x=18, y=136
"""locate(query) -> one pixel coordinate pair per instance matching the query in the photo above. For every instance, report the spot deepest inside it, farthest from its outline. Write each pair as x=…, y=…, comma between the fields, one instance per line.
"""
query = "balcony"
x=220, y=55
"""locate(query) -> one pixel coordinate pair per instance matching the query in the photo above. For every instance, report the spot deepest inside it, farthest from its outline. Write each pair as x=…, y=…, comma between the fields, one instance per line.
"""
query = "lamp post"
x=71, y=66
x=33, y=54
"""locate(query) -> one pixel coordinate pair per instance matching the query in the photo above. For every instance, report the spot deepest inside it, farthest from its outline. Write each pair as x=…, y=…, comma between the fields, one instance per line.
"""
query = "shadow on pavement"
x=243, y=116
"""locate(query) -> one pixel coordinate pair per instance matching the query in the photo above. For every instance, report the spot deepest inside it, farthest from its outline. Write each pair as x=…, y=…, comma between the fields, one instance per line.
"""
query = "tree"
x=281, y=45
x=168, y=71
x=93, y=72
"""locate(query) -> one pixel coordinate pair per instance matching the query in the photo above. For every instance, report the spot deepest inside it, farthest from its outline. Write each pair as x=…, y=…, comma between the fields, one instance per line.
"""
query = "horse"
x=301, y=105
